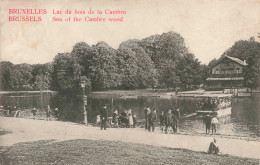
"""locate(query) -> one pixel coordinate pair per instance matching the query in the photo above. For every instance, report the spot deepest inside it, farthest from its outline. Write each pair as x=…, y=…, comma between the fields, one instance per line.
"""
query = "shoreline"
x=24, y=130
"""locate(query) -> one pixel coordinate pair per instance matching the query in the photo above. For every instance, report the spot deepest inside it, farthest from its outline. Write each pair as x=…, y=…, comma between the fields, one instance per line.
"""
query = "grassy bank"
x=109, y=152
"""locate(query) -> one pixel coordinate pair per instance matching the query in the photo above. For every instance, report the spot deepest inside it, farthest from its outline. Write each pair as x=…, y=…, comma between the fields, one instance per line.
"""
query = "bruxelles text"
x=35, y=15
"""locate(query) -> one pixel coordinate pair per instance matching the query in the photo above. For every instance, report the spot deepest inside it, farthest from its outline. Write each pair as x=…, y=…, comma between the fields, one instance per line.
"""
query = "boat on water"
x=214, y=105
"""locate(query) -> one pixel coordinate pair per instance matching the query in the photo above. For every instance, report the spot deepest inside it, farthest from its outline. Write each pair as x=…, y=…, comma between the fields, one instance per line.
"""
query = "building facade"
x=227, y=73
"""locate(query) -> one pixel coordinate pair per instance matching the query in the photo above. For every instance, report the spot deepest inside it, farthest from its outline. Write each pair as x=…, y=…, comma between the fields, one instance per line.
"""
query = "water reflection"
x=244, y=120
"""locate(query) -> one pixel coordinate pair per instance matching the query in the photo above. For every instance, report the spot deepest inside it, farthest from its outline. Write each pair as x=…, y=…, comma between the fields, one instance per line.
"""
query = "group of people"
x=214, y=103
x=211, y=122
x=125, y=119
x=168, y=121
x=47, y=111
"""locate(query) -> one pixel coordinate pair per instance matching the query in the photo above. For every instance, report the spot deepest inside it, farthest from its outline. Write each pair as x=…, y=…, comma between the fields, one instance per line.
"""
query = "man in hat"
x=103, y=116
x=207, y=121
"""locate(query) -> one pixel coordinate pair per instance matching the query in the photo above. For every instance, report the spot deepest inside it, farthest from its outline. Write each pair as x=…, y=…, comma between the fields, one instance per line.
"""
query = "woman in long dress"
x=130, y=118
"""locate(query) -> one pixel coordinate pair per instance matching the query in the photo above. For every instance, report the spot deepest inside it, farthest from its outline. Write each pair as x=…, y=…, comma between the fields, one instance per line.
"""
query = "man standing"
x=162, y=120
x=176, y=117
x=147, y=111
x=152, y=118
x=48, y=112
x=207, y=121
x=34, y=113
x=103, y=116
x=214, y=123
x=168, y=121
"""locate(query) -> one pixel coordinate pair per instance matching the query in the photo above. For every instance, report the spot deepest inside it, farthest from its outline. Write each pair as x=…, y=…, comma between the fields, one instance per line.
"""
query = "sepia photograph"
x=129, y=82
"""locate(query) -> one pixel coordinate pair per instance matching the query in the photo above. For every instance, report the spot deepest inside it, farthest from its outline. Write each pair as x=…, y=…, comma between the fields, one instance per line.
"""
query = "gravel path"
x=26, y=130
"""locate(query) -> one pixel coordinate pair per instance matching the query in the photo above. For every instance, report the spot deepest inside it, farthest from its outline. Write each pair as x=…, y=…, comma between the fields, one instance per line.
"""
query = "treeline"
x=25, y=76
x=158, y=61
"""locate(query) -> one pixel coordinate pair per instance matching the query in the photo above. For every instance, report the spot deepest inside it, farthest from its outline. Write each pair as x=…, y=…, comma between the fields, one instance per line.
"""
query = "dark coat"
x=152, y=116
x=103, y=114
x=169, y=119
x=162, y=119
x=207, y=120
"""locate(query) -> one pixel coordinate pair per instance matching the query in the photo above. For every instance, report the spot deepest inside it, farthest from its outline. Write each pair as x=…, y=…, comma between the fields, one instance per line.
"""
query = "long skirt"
x=131, y=121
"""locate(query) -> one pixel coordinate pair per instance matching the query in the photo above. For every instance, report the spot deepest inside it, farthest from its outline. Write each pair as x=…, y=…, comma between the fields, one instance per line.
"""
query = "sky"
x=209, y=27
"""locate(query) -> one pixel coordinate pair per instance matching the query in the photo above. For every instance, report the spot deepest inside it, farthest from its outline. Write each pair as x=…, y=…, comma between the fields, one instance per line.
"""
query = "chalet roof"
x=237, y=60
x=225, y=79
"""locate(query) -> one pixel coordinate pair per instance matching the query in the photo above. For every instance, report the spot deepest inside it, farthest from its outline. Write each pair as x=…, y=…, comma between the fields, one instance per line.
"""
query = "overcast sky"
x=209, y=27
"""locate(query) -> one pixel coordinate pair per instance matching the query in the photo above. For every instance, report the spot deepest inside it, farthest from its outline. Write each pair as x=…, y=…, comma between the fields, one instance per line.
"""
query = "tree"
x=137, y=67
x=66, y=72
x=41, y=76
x=66, y=81
x=104, y=72
x=85, y=54
x=188, y=70
x=165, y=51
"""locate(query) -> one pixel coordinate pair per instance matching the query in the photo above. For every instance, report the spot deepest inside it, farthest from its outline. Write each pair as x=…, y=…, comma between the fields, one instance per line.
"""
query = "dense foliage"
x=158, y=61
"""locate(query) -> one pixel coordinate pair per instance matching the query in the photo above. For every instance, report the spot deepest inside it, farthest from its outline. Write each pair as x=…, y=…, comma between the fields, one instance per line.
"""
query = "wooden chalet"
x=227, y=73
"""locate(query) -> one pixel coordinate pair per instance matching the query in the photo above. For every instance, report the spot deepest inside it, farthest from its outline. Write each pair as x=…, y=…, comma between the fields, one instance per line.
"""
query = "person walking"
x=214, y=123
x=103, y=116
x=48, y=112
x=162, y=121
x=168, y=121
x=152, y=118
x=207, y=121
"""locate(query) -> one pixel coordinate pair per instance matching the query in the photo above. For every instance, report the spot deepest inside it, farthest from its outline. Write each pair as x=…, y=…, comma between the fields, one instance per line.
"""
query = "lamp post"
x=83, y=84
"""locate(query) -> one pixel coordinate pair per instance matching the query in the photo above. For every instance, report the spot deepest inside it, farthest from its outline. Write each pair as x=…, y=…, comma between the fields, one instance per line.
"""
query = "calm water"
x=244, y=120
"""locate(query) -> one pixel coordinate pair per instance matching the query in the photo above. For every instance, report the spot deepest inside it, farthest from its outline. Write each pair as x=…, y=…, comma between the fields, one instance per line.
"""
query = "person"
x=130, y=118
x=214, y=123
x=162, y=120
x=176, y=117
x=147, y=111
x=56, y=111
x=48, y=112
x=103, y=116
x=115, y=117
x=168, y=121
x=152, y=118
x=134, y=120
x=175, y=123
x=34, y=113
x=207, y=121
x=98, y=119
x=123, y=119
x=177, y=113
x=213, y=147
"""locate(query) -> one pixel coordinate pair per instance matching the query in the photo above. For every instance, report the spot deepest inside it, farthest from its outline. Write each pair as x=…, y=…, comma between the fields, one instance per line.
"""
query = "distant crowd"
x=214, y=103
x=126, y=119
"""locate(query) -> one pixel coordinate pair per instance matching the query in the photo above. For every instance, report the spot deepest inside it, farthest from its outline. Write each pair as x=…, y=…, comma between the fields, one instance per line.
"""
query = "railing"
x=226, y=75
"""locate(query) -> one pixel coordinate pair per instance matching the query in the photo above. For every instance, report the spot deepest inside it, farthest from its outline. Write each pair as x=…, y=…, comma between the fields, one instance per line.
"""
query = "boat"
x=215, y=105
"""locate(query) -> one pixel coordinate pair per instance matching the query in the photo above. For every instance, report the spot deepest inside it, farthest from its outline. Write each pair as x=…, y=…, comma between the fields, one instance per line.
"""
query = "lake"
x=243, y=122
